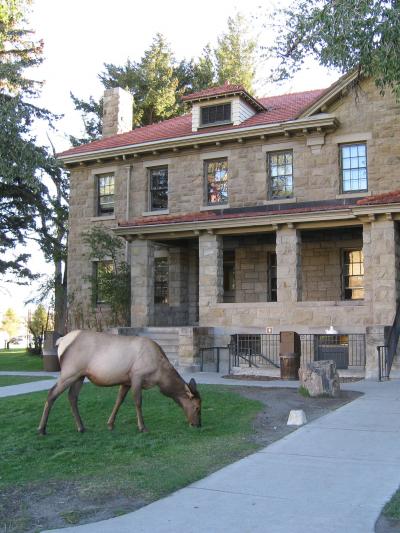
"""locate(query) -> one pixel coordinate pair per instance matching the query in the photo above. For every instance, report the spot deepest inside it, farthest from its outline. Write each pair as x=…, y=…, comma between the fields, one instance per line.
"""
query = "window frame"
x=216, y=122
x=272, y=266
x=344, y=275
x=150, y=171
x=341, y=168
x=206, y=162
x=271, y=154
x=101, y=212
x=161, y=292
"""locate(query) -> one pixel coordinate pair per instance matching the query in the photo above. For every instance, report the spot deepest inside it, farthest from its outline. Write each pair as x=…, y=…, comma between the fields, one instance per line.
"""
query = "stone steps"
x=167, y=338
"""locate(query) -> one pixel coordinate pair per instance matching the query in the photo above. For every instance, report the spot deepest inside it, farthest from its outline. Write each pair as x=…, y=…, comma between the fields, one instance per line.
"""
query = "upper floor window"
x=105, y=194
x=353, y=165
x=216, y=176
x=353, y=274
x=215, y=114
x=280, y=172
x=161, y=280
x=158, y=188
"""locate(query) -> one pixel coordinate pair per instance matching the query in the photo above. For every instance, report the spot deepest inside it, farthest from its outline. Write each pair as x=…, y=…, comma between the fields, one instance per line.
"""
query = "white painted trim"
x=157, y=163
x=155, y=212
x=215, y=155
x=214, y=207
x=103, y=170
x=353, y=195
x=276, y=147
x=352, y=137
x=280, y=201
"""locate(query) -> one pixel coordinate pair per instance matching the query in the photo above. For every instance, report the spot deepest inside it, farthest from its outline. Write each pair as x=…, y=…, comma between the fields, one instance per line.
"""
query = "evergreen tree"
x=235, y=54
x=345, y=35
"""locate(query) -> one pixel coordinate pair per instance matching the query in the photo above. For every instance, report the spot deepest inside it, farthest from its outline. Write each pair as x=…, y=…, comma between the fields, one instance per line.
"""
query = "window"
x=215, y=114
x=229, y=275
x=158, y=188
x=216, y=175
x=160, y=280
x=105, y=194
x=103, y=269
x=353, y=165
x=353, y=275
x=272, y=285
x=280, y=172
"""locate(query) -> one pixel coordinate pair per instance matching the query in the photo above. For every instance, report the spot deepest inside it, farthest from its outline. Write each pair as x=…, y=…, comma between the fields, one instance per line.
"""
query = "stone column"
x=288, y=259
x=178, y=274
x=211, y=285
x=142, y=283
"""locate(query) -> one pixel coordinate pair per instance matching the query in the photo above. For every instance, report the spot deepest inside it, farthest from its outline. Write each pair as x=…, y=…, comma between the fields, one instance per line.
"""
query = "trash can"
x=290, y=364
x=50, y=357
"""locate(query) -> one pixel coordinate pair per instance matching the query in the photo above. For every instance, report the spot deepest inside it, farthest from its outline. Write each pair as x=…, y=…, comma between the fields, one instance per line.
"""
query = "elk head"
x=191, y=404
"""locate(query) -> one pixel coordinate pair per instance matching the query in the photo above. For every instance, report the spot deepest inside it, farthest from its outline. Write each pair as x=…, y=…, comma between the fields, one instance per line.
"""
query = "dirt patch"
x=56, y=504
x=270, y=423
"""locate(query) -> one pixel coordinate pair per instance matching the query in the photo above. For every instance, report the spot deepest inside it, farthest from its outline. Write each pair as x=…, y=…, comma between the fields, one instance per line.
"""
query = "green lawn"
x=149, y=466
x=17, y=380
x=19, y=359
x=392, y=508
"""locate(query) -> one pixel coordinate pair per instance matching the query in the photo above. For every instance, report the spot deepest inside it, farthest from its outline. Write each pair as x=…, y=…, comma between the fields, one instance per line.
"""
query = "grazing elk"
x=131, y=362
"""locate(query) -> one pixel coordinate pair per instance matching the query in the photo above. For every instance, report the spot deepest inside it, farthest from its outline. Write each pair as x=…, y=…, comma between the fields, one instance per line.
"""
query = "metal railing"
x=210, y=358
x=262, y=350
x=387, y=351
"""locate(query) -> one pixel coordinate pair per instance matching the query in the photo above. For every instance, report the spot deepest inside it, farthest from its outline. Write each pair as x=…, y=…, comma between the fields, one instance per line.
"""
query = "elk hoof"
x=143, y=430
x=110, y=426
x=81, y=430
x=42, y=432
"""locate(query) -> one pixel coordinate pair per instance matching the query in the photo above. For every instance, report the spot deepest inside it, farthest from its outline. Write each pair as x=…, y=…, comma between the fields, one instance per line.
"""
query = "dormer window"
x=216, y=114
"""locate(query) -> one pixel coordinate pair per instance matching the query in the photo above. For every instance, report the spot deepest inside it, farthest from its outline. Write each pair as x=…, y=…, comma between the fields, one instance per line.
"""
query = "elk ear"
x=193, y=386
x=188, y=391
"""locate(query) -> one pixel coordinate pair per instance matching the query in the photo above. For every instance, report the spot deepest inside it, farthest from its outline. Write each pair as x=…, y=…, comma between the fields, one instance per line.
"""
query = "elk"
x=129, y=361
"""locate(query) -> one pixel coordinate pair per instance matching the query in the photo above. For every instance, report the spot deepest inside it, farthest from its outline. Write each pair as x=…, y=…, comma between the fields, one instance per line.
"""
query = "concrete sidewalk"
x=333, y=475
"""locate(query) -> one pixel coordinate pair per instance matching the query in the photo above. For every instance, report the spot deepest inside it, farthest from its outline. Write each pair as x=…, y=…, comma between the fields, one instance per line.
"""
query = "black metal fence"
x=262, y=350
x=210, y=358
x=383, y=363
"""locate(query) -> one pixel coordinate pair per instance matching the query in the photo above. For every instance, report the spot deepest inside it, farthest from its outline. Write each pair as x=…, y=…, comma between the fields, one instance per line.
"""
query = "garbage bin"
x=290, y=364
x=50, y=357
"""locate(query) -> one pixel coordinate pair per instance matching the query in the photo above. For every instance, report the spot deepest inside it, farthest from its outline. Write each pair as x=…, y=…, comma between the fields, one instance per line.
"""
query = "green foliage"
x=113, y=283
x=235, y=54
x=10, y=323
x=344, y=35
x=158, y=81
x=26, y=205
x=304, y=392
x=38, y=322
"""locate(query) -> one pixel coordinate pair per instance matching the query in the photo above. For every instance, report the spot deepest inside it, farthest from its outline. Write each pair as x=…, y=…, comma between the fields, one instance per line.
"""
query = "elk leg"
x=123, y=391
x=73, y=394
x=137, y=397
x=54, y=393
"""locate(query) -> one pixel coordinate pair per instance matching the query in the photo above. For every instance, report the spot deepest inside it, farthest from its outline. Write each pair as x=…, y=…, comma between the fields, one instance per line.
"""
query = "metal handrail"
x=213, y=348
x=389, y=349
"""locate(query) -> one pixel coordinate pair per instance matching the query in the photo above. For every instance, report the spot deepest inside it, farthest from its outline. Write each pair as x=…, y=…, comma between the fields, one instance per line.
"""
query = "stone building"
x=248, y=216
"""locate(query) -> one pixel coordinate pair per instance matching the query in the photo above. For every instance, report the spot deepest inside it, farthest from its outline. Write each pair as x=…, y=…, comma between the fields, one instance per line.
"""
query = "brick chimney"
x=117, y=111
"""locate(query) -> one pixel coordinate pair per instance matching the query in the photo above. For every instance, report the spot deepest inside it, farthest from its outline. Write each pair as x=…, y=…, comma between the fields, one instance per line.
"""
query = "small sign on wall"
x=269, y=330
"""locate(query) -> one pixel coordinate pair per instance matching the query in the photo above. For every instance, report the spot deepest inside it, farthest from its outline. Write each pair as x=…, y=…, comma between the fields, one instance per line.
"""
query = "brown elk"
x=131, y=362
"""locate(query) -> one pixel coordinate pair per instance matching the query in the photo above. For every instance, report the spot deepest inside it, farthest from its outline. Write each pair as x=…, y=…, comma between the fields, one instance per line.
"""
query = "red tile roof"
x=203, y=216
x=214, y=91
x=279, y=109
x=385, y=198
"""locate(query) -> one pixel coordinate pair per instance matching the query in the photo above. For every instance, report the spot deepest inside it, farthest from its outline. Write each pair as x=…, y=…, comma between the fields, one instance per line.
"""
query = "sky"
x=81, y=35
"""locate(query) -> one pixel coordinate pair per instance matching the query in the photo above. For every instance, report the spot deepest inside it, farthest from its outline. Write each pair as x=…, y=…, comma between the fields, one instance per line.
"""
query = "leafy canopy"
x=344, y=35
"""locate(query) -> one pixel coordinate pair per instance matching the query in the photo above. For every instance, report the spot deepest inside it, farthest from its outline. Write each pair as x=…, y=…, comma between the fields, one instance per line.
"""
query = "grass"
x=150, y=465
x=392, y=508
x=19, y=359
x=304, y=392
x=17, y=380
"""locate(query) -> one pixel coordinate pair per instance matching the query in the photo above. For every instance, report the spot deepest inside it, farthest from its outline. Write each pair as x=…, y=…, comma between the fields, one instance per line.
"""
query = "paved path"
x=331, y=476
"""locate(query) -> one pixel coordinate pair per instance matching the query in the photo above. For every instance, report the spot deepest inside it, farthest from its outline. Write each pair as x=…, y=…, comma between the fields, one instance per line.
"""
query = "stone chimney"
x=117, y=111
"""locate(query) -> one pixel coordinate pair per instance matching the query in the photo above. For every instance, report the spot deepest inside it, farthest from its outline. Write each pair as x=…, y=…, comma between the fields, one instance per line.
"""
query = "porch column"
x=142, y=283
x=211, y=286
x=381, y=283
x=288, y=260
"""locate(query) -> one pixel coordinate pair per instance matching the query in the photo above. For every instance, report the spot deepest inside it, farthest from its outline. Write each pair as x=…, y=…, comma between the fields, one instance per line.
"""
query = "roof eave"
x=323, y=120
